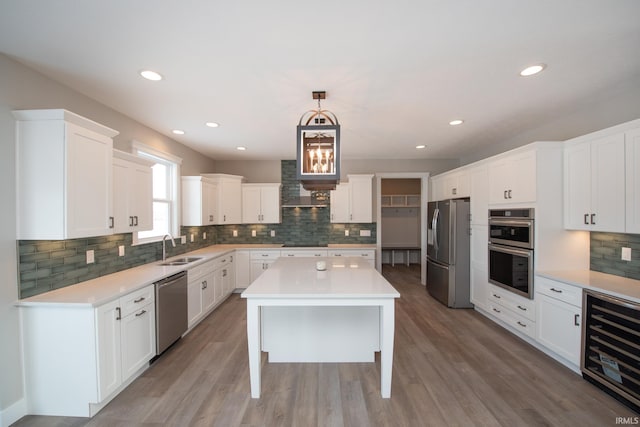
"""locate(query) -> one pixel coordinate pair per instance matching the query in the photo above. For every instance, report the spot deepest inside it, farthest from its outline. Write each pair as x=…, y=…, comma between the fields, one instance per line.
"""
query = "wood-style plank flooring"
x=451, y=367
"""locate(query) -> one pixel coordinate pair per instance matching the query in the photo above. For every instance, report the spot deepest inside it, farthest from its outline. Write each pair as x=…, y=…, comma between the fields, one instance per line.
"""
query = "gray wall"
x=269, y=170
x=586, y=115
x=23, y=88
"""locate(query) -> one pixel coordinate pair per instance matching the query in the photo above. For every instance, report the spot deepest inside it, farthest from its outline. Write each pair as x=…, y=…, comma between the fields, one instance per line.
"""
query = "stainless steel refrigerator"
x=448, y=253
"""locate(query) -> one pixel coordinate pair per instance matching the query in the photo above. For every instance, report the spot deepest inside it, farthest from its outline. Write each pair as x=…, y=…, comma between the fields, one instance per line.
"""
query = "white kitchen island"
x=299, y=314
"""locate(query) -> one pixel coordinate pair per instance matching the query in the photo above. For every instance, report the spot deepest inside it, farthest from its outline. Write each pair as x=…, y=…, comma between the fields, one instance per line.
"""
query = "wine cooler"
x=611, y=346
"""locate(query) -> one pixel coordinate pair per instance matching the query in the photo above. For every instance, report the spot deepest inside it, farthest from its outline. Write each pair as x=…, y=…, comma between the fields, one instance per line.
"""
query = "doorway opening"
x=401, y=240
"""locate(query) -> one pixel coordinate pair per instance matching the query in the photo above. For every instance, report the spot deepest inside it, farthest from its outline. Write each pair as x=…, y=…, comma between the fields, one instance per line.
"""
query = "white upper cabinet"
x=64, y=165
x=199, y=204
x=512, y=178
x=452, y=185
x=352, y=202
x=261, y=204
x=594, y=184
x=479, y=194
x=228, y=197
x=132, y=193
x=632, y=149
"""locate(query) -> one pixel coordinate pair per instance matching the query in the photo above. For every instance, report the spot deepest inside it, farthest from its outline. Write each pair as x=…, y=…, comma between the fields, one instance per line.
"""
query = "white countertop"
x=348, y=277
x=95, y=292
x=621, y=287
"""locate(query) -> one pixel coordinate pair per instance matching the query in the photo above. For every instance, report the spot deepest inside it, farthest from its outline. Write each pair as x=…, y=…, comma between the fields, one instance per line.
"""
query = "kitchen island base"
x=350, y=309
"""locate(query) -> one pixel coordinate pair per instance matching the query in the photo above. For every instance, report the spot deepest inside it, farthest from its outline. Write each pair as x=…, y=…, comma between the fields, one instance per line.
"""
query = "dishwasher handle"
x=169, y=280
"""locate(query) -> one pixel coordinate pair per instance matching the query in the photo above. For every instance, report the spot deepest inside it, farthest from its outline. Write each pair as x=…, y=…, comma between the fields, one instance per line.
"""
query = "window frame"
x=174, y=164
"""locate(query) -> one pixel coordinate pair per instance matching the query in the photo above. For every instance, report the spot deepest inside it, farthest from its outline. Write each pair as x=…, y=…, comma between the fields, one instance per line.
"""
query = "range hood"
x=307, y=199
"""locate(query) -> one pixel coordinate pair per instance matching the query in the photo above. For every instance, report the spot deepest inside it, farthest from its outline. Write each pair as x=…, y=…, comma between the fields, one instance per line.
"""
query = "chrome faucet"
x=164, y=248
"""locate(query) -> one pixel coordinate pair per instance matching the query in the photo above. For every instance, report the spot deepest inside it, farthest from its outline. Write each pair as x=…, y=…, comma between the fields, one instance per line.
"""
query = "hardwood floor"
x=451, y=367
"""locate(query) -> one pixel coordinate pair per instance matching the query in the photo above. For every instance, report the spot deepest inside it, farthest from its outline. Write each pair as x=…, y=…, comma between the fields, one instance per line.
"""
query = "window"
x=166, y=195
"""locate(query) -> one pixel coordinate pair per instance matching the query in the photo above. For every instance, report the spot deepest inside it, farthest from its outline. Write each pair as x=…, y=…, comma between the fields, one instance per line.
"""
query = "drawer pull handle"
x=290, y=255
x=496, y=310
x=497, y=296
x=558, y=291
x=522, y=308
x=141, y=313
x=522, y=324
x=139, y=300
x=265, y=254
x=575, y=319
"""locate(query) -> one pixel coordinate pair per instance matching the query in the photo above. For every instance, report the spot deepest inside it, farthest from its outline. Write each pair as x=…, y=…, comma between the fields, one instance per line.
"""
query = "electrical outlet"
x=90, y=256
x=204, y=236
x=626, y=254
x=121, y=250
x=365, y=233
x=346, y=233
x=253, y=233
x=183, y=239
x=235, y=233
x=193, y=238
x=273, y=233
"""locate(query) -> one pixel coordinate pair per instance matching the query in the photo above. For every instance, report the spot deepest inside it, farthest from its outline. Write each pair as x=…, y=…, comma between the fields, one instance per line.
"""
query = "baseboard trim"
x=13, y=413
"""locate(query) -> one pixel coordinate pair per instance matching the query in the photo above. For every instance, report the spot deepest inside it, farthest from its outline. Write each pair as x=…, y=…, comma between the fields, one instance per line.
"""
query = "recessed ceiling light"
x=241, y=148
x=456, y=122
x=212, y=124
x=420, y=147
x=151, y=75
x=534, y=69
x=178, y=132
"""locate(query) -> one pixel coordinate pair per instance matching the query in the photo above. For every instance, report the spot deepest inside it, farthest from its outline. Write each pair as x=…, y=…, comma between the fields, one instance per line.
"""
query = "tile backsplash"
x=606, y=250
x=47, y=265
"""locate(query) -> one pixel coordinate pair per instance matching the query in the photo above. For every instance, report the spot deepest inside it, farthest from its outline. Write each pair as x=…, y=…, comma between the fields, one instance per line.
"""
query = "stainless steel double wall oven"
x=511, y=249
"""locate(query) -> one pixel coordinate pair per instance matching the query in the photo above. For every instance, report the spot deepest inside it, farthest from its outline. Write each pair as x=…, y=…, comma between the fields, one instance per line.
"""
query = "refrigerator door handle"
x=434, y=227
x=438, y=263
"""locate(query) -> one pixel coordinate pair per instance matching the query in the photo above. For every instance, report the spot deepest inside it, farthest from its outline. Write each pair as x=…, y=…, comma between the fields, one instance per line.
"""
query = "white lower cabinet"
x=242, y=263
x=516, y=311
x=98, y=352
x=209, y=284
x=261, y=260
x=559, y=312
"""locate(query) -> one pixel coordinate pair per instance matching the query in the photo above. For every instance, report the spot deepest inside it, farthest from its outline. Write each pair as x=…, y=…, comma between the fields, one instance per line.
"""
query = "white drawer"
x=137, y=299
x=194, y=273
x=363, y=253
x=265, y=254
x=519, y=323
x=304, y=253
x=560, y=291
x=221, y=261
x=517, y=304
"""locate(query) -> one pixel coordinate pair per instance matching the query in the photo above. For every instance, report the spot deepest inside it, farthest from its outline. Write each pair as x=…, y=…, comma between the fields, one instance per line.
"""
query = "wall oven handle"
x=520, y=223
x=510, y=251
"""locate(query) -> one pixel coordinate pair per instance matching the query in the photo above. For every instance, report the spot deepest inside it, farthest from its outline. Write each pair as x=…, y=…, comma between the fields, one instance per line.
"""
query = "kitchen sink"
x=181, y=261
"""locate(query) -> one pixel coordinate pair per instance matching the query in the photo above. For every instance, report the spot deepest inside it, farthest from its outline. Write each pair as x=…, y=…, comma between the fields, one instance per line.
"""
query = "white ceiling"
x=395, y=72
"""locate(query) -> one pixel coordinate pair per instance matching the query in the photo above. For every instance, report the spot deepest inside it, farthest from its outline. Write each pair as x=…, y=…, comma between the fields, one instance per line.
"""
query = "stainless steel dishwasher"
x=171, y=310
